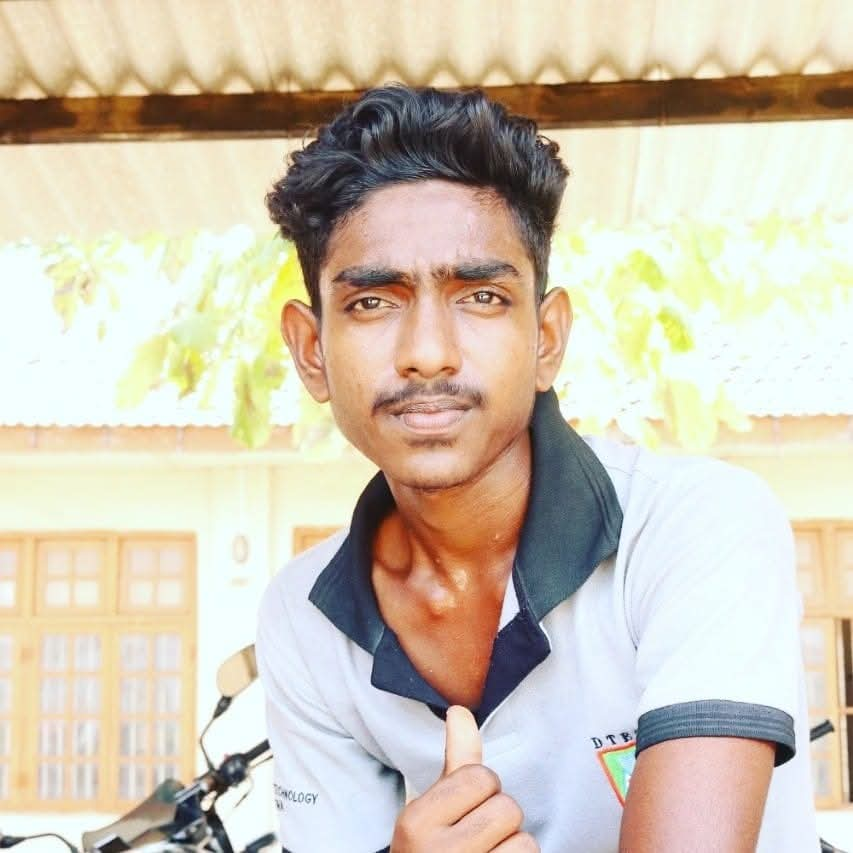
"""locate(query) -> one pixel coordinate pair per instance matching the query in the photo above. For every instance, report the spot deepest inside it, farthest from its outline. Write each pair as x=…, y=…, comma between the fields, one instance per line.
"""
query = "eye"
x=367, y=303
x=485, y=297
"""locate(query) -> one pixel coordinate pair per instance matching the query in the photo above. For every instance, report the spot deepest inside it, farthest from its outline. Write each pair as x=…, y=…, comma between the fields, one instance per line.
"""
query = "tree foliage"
x=648, y=304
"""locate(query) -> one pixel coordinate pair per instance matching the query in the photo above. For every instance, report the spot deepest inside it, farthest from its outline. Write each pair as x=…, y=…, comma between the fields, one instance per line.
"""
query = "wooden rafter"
x=787, y=97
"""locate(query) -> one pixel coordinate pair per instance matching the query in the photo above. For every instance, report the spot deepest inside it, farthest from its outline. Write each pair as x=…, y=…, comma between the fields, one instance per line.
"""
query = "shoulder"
x=694, y=521
x=284, y=604
x=696, y=529
x=654, y=488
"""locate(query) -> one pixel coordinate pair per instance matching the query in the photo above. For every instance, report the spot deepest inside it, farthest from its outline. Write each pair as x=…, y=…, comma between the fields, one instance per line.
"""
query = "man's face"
x=429, y=331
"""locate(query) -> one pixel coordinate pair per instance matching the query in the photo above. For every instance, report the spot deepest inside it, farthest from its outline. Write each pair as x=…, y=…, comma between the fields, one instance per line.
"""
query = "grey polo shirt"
x=652, y=598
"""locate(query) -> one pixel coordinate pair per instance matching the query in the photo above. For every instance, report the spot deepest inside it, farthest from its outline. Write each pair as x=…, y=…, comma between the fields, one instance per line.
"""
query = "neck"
x=472, y=528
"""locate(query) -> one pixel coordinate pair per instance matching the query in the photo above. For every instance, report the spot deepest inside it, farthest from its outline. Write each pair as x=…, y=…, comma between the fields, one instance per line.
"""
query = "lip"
x=433, y=416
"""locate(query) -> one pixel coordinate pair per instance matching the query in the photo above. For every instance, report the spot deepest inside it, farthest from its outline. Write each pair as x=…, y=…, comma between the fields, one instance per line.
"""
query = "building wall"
x=264, y=501
x=217, y=503
x=813, y=485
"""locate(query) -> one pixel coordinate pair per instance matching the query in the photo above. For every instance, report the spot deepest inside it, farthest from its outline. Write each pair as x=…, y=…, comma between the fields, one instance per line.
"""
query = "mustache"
x=442, y=388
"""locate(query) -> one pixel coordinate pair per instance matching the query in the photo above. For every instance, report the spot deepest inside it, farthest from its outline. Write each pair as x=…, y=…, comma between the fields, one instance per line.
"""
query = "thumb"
x=463, y=744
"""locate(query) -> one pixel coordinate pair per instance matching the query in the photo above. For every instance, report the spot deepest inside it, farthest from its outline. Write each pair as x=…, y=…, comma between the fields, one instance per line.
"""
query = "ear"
x=300, y=329
x=555, y=322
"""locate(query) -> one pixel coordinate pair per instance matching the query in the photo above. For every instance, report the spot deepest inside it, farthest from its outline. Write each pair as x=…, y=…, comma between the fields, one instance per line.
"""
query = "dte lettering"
x=612, y=740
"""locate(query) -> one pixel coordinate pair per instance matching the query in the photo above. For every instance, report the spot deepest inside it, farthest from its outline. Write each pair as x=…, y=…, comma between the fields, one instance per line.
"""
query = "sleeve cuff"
x=718, y=718
x=383, y=850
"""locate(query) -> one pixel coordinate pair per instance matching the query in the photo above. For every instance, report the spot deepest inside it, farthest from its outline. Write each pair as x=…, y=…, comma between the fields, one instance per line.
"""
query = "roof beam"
x=789, y=97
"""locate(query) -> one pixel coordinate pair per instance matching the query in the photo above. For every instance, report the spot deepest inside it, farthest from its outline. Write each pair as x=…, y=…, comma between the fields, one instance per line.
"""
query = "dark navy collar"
x=573, y=522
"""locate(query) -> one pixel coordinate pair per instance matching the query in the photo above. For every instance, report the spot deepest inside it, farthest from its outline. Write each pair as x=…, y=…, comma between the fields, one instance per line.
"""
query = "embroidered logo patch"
x=618, y=764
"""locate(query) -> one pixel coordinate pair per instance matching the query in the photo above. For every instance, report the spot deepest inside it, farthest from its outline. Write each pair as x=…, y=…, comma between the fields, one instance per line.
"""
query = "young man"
x=518, y=622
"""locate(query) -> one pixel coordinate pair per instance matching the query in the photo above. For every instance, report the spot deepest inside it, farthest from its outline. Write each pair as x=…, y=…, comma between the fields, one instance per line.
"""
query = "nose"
x=427, y=344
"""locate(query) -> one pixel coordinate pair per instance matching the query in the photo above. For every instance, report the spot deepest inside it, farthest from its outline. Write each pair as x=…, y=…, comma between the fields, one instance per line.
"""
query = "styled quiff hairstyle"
x=396, y=134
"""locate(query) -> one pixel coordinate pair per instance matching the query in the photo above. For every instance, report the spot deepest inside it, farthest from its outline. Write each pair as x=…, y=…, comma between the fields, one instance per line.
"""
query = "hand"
x=465, y=810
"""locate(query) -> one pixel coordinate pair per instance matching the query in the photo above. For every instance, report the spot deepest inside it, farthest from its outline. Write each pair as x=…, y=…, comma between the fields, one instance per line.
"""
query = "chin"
x=430, y=475
x=431, y=484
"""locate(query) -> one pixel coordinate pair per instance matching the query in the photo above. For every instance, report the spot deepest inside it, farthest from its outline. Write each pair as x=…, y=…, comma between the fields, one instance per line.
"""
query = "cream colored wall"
x=160, y=498
x=264, y=500
x=314, y=493
x=817, y=485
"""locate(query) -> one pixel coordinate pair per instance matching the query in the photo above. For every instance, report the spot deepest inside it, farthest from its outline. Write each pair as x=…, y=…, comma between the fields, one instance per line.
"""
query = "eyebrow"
x=370, y=276
x=379, y=276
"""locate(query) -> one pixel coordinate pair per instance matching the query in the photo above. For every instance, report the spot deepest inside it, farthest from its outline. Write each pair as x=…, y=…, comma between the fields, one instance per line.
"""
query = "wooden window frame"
x=20, y=577
x=103, y=577
x=830, y=609
x=27, y=623
x=305, y=536
x=125, y=608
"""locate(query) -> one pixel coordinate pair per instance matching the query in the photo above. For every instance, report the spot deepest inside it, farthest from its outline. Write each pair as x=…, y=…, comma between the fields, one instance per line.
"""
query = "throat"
x=455, y=659
x=447, y=633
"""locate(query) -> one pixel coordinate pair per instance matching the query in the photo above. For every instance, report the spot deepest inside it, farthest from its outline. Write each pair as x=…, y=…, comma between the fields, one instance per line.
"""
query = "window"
x=308, y=536
x=97, y=647
x=825, y=577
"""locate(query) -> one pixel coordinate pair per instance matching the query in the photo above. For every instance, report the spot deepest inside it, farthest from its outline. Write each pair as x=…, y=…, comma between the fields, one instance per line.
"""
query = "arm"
x=698, y=794
x=714, y=611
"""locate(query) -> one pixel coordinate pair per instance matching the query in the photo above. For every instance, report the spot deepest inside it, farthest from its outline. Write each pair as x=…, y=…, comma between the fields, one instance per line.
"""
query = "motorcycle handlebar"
x=257, y=751
x=820, y=730
x=231, y=772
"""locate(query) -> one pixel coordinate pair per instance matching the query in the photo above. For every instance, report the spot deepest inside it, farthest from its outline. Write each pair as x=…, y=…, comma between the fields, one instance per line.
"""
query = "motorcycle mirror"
x=234, y=675
x=237, y=672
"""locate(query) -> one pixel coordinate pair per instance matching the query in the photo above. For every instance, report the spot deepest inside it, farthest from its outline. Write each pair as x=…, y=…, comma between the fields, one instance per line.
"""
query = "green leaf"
x=198, y=331
x=675, y=330
x=288, y=282
x=66, y=303
x=177, y=254
x=768, y=230
x=252, y=425
x=634, y=290
x=152, y=244
x=633, y=327
x=144, y=372
x=694, y=424
x=577, y=244
x=727, y=413
x=646, y=269
x=185, y=369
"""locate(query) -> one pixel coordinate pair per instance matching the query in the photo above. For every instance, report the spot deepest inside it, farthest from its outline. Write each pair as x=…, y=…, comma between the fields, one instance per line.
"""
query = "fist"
x=465, y=811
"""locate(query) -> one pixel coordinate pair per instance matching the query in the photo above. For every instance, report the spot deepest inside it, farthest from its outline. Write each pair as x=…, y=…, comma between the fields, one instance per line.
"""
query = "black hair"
x=396, y=134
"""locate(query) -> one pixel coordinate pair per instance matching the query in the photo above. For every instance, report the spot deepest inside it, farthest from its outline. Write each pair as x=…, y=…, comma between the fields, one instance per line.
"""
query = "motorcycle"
x=177, y=818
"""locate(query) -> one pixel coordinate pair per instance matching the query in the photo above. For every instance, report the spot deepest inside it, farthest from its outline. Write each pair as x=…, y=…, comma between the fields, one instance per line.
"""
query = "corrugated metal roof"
x=79, y=48
x=81, y=392
x=620, y=175
x=775, y=367
x=795, y=383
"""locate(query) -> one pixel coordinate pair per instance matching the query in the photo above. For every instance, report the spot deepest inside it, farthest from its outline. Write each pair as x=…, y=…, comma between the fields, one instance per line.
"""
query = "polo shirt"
x=651, y=598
